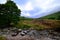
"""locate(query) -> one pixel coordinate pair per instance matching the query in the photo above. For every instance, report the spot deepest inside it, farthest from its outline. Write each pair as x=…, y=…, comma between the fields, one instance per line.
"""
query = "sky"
x=36, y=8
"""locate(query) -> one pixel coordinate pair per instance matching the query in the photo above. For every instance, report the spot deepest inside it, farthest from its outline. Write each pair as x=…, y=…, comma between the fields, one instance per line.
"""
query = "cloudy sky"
x=36, y=8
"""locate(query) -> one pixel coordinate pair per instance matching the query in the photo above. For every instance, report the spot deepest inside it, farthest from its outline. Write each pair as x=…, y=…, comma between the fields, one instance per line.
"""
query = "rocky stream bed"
x=18, y=34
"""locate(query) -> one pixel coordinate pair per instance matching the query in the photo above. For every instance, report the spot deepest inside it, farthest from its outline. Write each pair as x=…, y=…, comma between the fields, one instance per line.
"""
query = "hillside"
x=55, y=16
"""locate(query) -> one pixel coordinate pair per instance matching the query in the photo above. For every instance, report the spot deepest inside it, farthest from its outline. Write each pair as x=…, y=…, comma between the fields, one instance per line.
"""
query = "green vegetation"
x=55, y=16
x=2, y=38
x=9, y=14
x=25, y=18
x=39, y=24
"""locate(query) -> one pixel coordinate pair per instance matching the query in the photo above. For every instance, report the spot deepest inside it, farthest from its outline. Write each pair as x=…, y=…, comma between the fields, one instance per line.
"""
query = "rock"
x=28, y=30
x=27, y=38
x=31, y=34
x=25, y=32
x=14, y=34
x=34, y=33
x=22, y=34
x=45, y=38
x=19, y=30
x=55, y=37
x=44, y=32
x=20, y=38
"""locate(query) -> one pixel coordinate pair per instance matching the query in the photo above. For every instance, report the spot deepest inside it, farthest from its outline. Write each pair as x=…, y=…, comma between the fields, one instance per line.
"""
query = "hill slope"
x=52, y=16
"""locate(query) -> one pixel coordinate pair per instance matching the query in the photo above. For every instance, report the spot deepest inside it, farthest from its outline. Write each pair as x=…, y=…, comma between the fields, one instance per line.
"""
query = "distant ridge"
x=52, y=16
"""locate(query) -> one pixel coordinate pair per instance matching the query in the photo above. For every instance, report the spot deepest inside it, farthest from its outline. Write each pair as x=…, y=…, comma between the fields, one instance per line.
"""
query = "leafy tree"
x=9, y=13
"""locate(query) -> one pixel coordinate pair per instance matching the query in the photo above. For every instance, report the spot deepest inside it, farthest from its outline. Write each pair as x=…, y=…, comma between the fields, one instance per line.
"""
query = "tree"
x=9, y=13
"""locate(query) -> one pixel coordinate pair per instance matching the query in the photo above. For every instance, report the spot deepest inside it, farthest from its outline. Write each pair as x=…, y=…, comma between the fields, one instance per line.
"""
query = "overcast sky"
x=36, y=8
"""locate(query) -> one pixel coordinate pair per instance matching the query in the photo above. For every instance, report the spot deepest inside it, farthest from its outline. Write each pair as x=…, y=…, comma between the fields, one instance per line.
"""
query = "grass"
x=38, y=24
x=2, y=38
